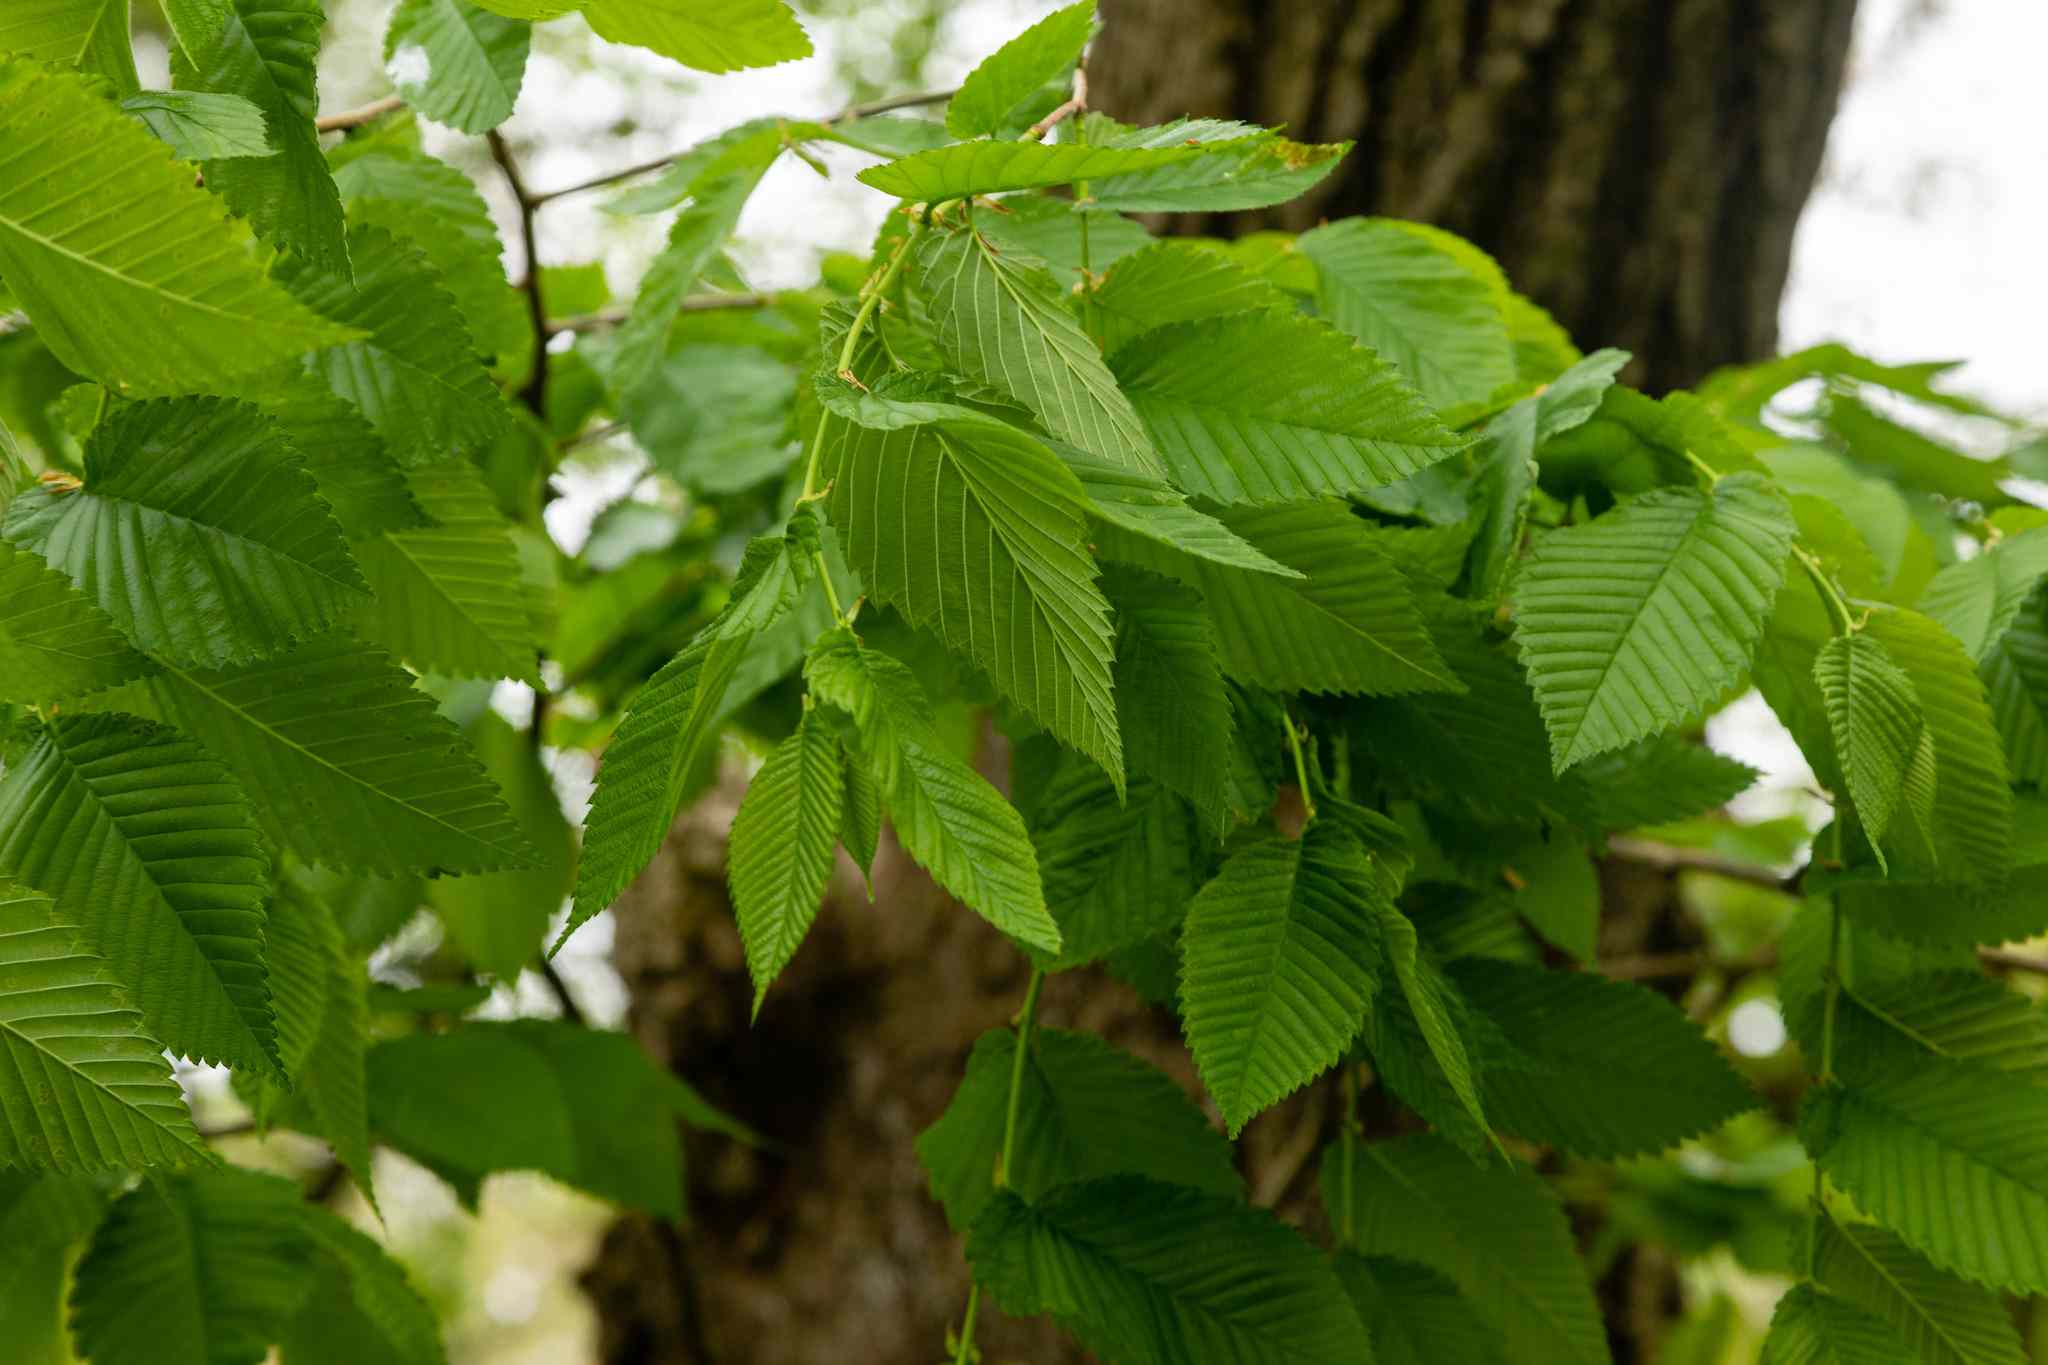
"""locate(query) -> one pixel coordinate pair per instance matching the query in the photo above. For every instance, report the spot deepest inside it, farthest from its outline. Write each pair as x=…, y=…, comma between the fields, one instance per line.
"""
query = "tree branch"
x=846, y=115
x=1074, y=105
x=356, y=118
x=695, y=303
x=534, y=395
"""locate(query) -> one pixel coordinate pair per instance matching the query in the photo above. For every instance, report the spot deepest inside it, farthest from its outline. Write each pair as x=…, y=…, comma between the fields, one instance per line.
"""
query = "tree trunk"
x=1637, y=166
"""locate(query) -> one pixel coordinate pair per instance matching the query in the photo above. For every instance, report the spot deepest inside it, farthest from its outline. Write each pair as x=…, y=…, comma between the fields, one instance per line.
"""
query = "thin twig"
x=2012, y=961
x=1074, y=105
x=1674, y=857
x=534, y=395
x=695, y=303
x=571, y=1011
x=356, y=118
x=851, y=112
x=591, y=437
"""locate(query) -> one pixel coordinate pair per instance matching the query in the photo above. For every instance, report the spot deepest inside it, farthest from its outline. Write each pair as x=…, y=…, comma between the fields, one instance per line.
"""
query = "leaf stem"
x=1827, y=1057
x=1347, y=1129
x=1027, y=1015
x=871, y=297
x=1838, y=606
x=1294, y=737
x=1713, y=475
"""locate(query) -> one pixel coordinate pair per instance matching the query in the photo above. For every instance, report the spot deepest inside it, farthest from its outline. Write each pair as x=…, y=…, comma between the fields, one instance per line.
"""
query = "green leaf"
x=976, y=531
x=946, y=814
x=664, y=732
x=53, y=641
x=967, y=169
x=782, y=847
x=1232, y=176
x=1084, y=1110
x=202, y=127
x=84, y=1088
x=198, y=531
x=201, y=1270
x=1496, y=1230
x=1645, y=616
x=716, y=419
x=585, y=1107
x=1813, y=1327
x=706, y=35
x=267, y=52
x=1146, y=1272
x=449, y=598
x=1911, y=458
x=150, y=849
x=1943, y=1321
x=89, y=34
x=360, y=1307
x=1415, y=1315
x=323, y=1029
x=1875, y=718
x=499, y=920
x=414, y=373
x=455, y=63
x=1423, y=299
x=113, y=304
x=1117, y=869
x=357, y=769
x=1170, y=282
x=1266, y=407
x=1604, y=1069
x=694, y=241
x=44, y=1221
x=1417, y=1036
x=1348, y=625
x=994, y=95
x=2015, y=674
x=1978, y=599
x=359, y=481
x=1280, y=959
x=1507, y=461
x=1973, y=806
x=1152, y=509
x=1170, y=703
x=1005, y=322
x=1949, y=1157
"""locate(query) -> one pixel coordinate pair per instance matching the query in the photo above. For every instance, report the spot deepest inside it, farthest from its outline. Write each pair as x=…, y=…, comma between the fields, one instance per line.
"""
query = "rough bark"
x=1637, y=166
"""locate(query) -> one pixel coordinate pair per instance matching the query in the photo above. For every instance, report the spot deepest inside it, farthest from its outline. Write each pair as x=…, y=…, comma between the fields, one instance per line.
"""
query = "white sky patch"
x=409, y=66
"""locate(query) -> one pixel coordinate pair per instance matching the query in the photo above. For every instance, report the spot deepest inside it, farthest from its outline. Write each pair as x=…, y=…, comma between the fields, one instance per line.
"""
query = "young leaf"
x=455, y=63
x=202, y=127
x=84, y=1088
x=1638, y=620
x=1978, y=599
x=976, y=531
x=1943, y=1321
x=1417, y=1035
x=415, y=373
x=198, y=531
x=267, y=52
x=1148, y=507
x=1973, y=805
x=1950, y=1158
x=1496, y=1230
x=1602, y=1068
x=1085, y=1110
x=1142, y=1271
x=1421, y=298
x=1170, y=282
x=995, y=93
x=946, y=814
x=149, y=848
x=358, y=769
x=1875, y=718
x=1230, y=176
x=665, y=731
x=1349, y=624
x=450, y=598
x=202, y=1270
x=184, y=306
x=967, y=169
x=1507, y=460
x=1266, y=407
x=783, y=842
x=694, y=241
x=1004, y=322
x=1279, y=962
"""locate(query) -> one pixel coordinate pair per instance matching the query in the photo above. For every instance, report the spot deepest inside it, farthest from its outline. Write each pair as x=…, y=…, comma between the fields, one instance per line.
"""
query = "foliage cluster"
x=1337, y=609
